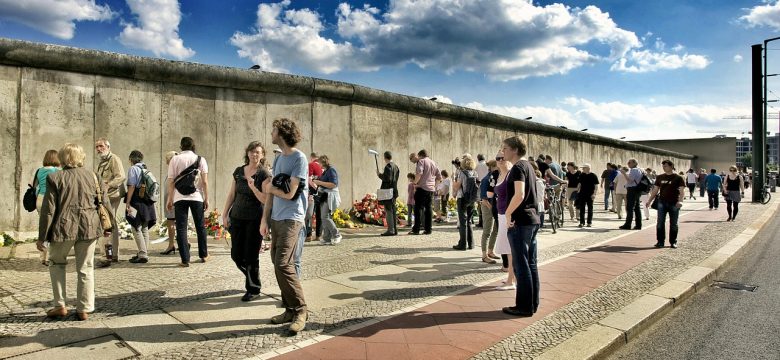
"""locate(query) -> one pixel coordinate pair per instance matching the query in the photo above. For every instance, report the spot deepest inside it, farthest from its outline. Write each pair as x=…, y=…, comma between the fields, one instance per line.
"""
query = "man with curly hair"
x=285, y=212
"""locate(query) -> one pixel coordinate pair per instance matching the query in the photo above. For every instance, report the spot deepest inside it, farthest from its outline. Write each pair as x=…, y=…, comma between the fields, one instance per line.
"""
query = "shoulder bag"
x=105, y=216
x=31, y=196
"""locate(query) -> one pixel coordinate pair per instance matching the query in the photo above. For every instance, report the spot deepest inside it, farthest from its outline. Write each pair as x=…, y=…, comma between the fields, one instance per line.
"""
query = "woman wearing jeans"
x=670, y=190
x=465, y=207
x=242, y=216
x=329, y=201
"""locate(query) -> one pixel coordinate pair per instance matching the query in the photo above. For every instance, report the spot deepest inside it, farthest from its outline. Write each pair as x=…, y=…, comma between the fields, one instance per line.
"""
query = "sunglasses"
x=499, y=158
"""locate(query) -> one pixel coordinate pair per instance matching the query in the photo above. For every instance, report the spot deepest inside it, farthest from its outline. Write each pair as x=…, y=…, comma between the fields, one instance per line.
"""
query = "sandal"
x=488, y=260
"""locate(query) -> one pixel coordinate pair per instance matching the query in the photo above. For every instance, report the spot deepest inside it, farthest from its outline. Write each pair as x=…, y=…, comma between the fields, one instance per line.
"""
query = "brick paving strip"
x=463, y=325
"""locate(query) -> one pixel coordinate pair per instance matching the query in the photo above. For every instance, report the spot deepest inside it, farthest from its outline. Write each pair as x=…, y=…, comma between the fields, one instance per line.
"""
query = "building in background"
x=710, y=153
x=745, y=146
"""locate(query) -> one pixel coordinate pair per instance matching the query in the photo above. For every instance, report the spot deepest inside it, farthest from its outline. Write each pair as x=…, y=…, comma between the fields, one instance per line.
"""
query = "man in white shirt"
x=197, y=202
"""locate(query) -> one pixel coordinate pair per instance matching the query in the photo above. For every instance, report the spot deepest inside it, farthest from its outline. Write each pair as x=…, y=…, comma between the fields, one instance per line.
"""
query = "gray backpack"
x=469, y=186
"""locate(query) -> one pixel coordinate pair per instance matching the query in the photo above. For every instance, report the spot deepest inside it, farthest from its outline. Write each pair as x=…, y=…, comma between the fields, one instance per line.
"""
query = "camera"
x=456, y=162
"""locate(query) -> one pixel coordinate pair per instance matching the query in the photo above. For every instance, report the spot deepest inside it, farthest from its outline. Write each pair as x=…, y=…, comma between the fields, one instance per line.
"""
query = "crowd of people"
x=292, y=200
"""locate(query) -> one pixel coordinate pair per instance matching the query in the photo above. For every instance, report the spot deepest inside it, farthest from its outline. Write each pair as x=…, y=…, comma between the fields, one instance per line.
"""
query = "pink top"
x=429, y=173
x=410, y=190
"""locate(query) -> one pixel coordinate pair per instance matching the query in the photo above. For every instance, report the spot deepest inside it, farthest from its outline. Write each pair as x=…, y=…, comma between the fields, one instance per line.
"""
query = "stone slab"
x=696, y=275
x=17, y=345
x=675, y=290
x=634, y=317
x=380, y=277
x=715, y=261
x=9, y=145
x=102, y=348
x=322, y=293
x=221, y=317
x=153, y=332
x=591, y=343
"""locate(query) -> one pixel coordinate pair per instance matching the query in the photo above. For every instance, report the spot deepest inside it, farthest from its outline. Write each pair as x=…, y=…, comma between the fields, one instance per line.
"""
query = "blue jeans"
x=465, y=212
x=196, y=208
x=660, y=228
x=606, y=198
x=522, y=240
x=299, y=252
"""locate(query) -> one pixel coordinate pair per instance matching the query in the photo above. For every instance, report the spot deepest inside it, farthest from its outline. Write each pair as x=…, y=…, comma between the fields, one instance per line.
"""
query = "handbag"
x=31, y=196
x=654, y=204
x=384, y=194
x=103, y=214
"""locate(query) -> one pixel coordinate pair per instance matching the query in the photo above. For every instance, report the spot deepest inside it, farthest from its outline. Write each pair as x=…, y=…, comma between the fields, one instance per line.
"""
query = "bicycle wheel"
x=553, y=219
x=766, y=198
x=559, y=212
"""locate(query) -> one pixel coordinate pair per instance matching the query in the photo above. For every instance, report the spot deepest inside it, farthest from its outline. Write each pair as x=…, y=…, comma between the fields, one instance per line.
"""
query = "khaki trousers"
x=284, y=242
x=85, y=269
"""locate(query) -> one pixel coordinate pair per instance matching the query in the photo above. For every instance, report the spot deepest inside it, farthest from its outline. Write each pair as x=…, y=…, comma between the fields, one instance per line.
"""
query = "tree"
x=747, y=160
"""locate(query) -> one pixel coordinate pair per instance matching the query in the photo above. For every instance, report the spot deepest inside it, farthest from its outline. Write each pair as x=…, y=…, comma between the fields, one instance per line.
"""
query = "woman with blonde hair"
x=69, y=219
x=465, y=186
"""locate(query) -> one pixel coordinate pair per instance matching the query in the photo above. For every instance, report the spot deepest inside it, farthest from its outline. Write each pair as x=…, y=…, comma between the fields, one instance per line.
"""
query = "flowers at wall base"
x=212, y=224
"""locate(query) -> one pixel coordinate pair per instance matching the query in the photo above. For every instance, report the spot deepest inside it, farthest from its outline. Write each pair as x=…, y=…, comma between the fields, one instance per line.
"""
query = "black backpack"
x=30, y=196
x=469, y=186
x=644, y=185
x=187, y=181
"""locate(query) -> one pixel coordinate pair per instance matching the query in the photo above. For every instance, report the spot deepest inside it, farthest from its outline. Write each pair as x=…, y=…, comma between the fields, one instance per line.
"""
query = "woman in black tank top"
x=733, y=189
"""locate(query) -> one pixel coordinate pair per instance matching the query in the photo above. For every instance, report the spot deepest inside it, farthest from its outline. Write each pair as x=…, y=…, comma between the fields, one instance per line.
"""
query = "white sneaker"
x=337, y=240
x=506, y=287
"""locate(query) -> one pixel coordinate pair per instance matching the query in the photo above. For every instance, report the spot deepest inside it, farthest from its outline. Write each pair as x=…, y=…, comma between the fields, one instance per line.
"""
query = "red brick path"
x=461, y=326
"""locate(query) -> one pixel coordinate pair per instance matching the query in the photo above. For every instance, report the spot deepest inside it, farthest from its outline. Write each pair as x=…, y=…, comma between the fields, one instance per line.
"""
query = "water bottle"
x=109, y=251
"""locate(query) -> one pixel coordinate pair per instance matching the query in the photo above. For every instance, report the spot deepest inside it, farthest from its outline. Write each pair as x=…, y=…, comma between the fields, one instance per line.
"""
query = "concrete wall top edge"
x=56, y=57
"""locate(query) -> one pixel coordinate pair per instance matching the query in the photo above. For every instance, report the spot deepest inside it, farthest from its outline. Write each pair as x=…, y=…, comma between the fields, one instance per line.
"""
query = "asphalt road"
x=721, y=324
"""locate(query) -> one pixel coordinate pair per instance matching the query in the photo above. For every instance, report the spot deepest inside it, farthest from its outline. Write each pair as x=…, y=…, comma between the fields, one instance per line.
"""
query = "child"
x=410, y=200
x=443, y=196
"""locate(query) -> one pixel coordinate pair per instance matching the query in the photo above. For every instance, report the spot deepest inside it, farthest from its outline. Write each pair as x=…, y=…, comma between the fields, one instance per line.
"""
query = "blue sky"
x=634, y=69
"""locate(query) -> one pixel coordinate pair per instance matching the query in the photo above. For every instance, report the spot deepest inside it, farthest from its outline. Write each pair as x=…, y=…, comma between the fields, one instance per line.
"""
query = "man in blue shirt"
x=633, y=177
x=714, y=185
x=286, y=214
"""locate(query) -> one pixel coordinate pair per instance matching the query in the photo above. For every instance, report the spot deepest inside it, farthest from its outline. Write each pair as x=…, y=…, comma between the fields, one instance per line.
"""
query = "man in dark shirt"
x=670, y=189
x=389, y=178
x=586, y=190
x=522, y=224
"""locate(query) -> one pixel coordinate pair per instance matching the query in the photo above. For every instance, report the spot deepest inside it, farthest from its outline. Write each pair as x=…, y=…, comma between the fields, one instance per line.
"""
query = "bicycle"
x=766, y=197
x=555, y=208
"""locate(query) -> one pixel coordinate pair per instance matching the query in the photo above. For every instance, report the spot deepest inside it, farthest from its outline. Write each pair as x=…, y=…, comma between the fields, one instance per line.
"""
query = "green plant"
x=6, y=239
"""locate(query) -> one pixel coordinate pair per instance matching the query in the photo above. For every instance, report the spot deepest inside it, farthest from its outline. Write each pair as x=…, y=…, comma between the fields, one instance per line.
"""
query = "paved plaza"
x=370, y=297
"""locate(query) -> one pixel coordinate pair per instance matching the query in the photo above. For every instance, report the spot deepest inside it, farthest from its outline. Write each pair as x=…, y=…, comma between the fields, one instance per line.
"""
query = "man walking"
x=426, y=175
x=389, y=179
x=670, y=189
x=188, y=173
x=633, y=176
x=714, y=184
x=523, y=222
x=313, y=204
x=586, y=190
x=285, y=210
x=112, y=174
x=606, y=182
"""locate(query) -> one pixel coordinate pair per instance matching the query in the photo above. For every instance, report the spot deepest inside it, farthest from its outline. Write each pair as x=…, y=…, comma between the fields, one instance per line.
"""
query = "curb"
x=617, y=329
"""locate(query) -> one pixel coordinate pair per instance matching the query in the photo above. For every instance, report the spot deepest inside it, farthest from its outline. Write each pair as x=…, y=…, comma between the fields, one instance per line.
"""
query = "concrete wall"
x=50, y=95
x=710, y=153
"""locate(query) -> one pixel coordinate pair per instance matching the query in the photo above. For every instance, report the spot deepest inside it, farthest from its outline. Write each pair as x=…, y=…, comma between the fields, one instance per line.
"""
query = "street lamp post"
x=759, y=129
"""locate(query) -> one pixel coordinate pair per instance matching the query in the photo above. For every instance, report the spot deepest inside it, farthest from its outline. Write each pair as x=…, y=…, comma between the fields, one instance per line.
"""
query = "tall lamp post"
x=760, y=123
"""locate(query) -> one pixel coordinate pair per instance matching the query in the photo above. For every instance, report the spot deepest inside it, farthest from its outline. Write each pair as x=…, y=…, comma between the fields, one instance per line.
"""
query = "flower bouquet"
x=344, y=220
x=213, y=226
x=368, y=210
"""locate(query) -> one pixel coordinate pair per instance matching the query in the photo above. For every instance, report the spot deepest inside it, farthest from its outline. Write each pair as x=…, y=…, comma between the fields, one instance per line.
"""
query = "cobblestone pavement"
x=127, y=289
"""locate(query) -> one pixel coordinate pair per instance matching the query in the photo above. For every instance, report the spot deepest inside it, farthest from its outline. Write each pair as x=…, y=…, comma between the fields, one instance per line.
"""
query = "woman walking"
x=330, y=200
x=734, y=188
x=71, y=195
x=502, y=241
x=573, y=179
x=140, y=212
x=242, y=216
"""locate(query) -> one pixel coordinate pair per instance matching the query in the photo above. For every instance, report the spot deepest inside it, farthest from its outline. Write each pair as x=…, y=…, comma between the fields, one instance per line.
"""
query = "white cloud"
x=440, y=98
x=504, y=39
x=641, y=61
x=158, y=29
x=737, y=58
x=634, y=121
x=764, y=15
x=54, y=17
